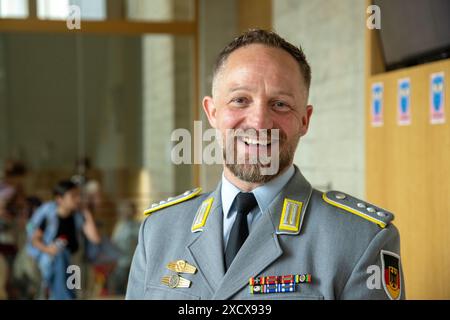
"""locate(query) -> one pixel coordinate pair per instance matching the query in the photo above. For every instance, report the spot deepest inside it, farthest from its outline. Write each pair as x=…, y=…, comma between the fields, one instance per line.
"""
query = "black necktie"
x=244, y=203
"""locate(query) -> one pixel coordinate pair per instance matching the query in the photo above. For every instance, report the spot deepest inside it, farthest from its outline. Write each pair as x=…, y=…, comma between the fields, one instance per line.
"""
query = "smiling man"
x=264, y=233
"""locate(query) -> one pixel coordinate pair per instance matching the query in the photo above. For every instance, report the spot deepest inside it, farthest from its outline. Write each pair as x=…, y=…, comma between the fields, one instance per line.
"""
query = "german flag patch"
x=392, y=280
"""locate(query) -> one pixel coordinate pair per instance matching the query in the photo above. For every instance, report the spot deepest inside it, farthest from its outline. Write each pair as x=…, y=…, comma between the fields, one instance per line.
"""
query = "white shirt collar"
x=264, y=194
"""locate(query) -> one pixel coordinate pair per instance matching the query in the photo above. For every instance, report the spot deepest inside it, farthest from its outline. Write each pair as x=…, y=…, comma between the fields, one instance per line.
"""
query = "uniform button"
x=340, y=196
x=382, y=214
x=371, y=210
x=361, y=205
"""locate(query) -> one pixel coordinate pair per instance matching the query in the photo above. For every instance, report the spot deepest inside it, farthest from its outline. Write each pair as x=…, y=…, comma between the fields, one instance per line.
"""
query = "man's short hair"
x=270, y=39
x=63, y=187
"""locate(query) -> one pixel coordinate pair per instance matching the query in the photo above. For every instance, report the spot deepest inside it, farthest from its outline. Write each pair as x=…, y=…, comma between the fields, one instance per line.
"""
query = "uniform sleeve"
x=136, y=279
x=378, y=274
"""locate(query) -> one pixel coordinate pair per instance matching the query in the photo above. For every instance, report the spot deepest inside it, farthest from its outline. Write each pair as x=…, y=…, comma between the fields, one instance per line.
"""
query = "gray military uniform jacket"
x=349, y=247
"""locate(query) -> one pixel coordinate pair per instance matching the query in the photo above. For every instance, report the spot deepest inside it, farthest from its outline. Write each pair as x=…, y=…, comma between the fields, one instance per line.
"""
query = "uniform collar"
x=264, y=194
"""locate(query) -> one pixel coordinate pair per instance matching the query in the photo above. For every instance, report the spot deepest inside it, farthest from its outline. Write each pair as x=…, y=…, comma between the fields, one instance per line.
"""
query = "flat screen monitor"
x=414, y=31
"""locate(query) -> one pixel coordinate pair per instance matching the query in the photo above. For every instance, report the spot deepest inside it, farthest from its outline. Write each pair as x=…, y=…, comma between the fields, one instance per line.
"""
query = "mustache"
x=272, y=135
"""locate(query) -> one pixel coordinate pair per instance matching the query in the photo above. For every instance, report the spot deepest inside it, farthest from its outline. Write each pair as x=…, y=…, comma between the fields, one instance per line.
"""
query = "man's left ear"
x=306, y=119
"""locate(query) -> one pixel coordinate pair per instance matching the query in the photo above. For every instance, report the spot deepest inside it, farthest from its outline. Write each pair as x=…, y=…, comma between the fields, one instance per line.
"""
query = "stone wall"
x=331, y=33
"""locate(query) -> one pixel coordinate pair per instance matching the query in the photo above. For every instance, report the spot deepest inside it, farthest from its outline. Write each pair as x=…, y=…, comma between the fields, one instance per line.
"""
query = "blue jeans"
x=57, y=281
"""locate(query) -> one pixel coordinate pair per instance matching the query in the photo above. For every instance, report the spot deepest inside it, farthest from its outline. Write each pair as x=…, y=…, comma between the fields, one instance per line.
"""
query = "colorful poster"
x=437, y=99
x=404, y=102
x=377, y=104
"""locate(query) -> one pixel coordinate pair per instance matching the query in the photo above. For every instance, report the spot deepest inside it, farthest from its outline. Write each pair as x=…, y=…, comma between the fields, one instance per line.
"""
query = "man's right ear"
x=210, y=110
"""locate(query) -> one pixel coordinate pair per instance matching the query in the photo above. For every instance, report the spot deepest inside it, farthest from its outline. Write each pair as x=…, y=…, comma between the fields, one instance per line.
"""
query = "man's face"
x=259, y=87
x=70, y=201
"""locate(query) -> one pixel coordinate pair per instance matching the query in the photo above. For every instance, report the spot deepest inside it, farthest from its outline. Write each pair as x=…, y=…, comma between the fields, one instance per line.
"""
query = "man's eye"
x=239, y=101
x=280, y=105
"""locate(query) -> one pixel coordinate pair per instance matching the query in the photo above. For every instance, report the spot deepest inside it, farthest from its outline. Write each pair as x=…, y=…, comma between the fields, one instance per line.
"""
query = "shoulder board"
x=172, y=201
x=361, y=208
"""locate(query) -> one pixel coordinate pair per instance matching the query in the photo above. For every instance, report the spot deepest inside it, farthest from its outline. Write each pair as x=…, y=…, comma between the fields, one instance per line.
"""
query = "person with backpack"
x=53, y=237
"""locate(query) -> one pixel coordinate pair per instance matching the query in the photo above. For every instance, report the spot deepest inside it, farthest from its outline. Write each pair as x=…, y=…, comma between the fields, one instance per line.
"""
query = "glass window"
x=91, y=9
x=160, y=10
x=59, y=9
x=113, y=99
x=13, y=8
x=52, y=9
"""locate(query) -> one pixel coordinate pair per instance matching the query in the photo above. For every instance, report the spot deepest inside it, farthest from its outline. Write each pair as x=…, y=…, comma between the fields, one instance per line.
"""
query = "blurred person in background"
x=26, y=275
x=99, y=259
x=54, y=231
x=124, y=237
x=91, y=195
x=13, y=206
x=12, y=182
x=92, y=201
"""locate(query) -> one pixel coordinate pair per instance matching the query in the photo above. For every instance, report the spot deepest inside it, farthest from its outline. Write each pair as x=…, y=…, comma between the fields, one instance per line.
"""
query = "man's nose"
x=259, y=116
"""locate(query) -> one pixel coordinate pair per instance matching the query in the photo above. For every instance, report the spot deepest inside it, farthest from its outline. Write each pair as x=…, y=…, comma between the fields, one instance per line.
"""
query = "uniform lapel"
x=262, y=247
x=298, y=190
x=207, y=248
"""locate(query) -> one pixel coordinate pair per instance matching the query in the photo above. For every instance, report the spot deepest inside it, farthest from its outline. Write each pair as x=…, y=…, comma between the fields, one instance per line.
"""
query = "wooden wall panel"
x=408, y=172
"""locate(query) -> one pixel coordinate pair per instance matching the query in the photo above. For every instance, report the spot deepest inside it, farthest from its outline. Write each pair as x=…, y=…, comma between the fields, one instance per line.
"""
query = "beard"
x=252, y=170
